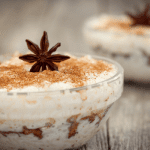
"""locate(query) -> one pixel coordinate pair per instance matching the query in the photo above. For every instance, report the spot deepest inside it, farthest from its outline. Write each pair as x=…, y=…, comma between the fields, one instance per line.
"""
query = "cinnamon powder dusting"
x=120, y=25
x=74, y=70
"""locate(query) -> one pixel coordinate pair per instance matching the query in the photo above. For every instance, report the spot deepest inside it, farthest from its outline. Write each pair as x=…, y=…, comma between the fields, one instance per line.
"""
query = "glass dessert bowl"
x=57, y=119
x=112, y=36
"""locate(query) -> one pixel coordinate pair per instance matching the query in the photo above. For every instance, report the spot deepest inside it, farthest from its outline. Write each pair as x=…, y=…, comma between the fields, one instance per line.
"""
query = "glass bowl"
x=131, y=48
x=60, y=119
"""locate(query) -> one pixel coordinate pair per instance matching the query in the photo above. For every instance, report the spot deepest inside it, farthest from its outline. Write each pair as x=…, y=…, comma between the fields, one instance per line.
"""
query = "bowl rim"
x=120, y=71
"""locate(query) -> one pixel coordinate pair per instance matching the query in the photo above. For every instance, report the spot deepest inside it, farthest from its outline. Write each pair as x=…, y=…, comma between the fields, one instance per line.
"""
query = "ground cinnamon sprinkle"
x=124, y=26
x=73, y=70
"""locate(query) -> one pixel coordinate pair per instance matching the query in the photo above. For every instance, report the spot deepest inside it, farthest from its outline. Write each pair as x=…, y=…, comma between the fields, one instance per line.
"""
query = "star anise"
x=42, y=56
x=142, y=18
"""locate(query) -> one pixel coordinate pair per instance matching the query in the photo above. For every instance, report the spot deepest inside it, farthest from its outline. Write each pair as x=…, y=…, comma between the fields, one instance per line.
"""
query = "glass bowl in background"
x=60, y=119
x=129, y=47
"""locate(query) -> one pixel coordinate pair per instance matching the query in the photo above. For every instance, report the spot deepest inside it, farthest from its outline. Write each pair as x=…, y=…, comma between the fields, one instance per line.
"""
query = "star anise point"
x=142, y=18
x=43, y=58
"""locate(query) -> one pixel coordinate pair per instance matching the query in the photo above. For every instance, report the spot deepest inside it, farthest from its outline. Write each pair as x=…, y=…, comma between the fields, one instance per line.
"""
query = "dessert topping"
x=142, y=18
x=76, y=71
x=42, y=56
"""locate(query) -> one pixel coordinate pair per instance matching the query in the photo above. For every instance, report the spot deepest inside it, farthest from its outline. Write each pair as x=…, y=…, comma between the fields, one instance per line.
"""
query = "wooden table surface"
x=129, y=125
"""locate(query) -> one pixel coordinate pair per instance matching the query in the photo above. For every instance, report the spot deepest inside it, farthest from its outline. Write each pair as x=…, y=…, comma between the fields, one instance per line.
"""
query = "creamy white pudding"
x=72, y=73
x=56, y=109
x=112, y=36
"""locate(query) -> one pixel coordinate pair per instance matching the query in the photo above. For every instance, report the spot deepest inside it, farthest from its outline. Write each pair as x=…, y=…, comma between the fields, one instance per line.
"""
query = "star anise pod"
x=42, y=56
x=142, y=18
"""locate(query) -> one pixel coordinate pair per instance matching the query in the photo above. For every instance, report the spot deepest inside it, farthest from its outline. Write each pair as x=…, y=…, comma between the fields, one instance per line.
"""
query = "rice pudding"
x=113, y=36
x=56, y=109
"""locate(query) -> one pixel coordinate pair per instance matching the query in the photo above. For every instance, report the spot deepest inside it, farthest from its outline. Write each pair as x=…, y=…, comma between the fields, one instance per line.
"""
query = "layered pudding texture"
x=56, y=109
x=114, y=37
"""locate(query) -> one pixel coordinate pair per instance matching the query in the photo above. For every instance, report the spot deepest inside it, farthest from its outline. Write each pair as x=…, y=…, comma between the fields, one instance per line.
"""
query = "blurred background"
x=62, y=19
